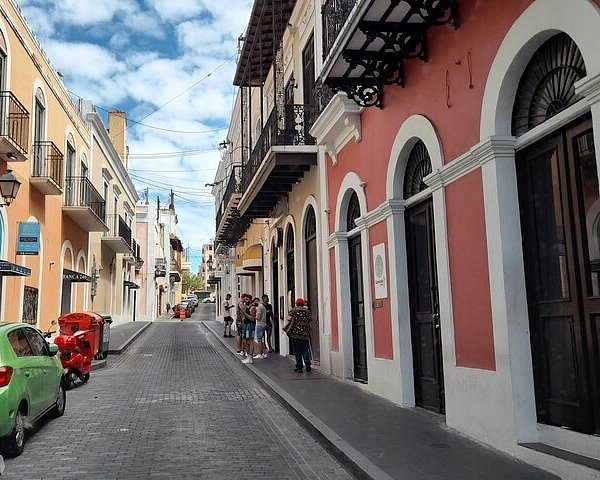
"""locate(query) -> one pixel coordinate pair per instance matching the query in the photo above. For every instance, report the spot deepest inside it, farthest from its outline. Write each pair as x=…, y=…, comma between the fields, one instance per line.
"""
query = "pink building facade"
x=463, y=218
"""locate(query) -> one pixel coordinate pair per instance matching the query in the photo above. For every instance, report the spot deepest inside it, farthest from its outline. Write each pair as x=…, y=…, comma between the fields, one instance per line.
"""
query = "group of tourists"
x=254, y=327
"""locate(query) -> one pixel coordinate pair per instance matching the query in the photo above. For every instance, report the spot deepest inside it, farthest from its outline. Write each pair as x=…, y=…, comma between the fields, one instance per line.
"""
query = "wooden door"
x=357, y=301
x=275, y=300
x=560, y=223
x=424, y=308
x=313, y=296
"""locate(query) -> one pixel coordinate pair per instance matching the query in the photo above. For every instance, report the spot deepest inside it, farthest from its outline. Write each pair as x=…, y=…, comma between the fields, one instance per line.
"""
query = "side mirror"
x=52, y=349
x=53, y=322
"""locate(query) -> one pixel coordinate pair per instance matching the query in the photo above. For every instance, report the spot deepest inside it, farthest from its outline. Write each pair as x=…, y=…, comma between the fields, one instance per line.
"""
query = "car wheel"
x=14, y=444
x=61, y=402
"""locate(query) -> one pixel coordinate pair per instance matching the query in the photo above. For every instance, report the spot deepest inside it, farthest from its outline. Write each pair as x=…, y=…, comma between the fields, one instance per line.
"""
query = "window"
x=30, y=304
x=418, y=167
x=308, y=67
x=547, y=86
x=289, y=262
x=38, y=344
x=310, y=228
x=353, y=212
x=19, y=343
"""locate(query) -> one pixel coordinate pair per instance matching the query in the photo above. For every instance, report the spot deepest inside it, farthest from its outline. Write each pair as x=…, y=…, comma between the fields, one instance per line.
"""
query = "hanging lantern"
x=9, y=187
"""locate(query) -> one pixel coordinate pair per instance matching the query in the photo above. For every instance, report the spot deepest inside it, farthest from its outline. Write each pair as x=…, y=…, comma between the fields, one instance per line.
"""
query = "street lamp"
x=9, y=187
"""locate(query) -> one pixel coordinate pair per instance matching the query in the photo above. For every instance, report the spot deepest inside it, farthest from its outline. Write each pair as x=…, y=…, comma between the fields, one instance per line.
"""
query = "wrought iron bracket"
x=365, y=92
x=406, y=40
x=386, y=68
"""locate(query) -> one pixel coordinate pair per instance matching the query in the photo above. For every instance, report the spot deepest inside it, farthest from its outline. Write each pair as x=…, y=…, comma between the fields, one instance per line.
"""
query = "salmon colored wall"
x=335, y=337
x=382, y=317
x=142, y=238
x=467, y=246
x=456, y=120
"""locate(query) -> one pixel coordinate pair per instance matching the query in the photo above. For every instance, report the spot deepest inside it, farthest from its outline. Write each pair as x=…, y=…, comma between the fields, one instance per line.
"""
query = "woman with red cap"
x=298, y=329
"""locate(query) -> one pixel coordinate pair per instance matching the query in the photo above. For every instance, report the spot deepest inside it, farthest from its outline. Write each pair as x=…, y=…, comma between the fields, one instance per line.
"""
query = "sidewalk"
x=374, y=438
x=122, y=335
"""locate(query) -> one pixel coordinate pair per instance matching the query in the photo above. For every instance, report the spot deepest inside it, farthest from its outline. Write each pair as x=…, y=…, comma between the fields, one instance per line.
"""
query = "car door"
x=48, y=367
x=27, y=372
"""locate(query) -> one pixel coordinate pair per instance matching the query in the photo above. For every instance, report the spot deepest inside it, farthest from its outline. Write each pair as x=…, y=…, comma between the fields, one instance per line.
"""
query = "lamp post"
x=9, y=187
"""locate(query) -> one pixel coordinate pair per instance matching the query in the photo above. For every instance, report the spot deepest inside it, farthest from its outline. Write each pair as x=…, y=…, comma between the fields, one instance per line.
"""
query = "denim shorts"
x=249, y=331
x=239, y=326
x=260, y=332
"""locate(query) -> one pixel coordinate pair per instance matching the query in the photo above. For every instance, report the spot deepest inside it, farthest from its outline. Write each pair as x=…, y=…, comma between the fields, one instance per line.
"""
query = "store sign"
x=379, y=271
x=28, y=239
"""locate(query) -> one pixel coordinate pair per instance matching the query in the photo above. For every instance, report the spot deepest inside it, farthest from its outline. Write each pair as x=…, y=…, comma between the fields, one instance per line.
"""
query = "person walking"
x=270, y=319
x=240, y=317
x=249, y=330
x=298, y=329
x=227, y=318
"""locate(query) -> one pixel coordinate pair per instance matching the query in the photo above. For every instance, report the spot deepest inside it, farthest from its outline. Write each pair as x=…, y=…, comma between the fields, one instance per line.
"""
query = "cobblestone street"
x=175, y=405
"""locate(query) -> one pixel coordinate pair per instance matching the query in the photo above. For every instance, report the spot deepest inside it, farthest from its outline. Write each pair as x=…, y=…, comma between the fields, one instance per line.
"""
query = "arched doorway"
x=357, y=294
x=558, y=198
x=423, y=286
x=289, y=266
x=312, y=280
x=275, y=292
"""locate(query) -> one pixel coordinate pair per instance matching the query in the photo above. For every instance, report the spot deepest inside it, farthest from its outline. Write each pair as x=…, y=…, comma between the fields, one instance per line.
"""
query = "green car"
x=31, y=383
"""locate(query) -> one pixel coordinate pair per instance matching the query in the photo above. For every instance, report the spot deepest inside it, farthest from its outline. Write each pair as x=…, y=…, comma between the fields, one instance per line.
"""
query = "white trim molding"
x=337, y=125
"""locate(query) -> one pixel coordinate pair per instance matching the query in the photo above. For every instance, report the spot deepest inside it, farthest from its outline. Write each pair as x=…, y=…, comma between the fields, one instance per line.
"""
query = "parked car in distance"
x=193, y=299
x=31, y=383
x=208, y=300
x=185, y=306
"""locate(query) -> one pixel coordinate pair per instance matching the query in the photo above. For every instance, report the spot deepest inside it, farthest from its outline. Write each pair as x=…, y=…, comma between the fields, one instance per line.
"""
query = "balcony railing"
x=117, y=227
x=14, y=121
x=79, y=192
x=291, y=128
x=334, y=15
x=47, y=162
x=234, y=185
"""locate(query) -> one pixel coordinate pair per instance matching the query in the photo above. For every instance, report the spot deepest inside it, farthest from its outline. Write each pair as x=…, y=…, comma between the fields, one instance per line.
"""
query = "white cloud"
x=143, y=56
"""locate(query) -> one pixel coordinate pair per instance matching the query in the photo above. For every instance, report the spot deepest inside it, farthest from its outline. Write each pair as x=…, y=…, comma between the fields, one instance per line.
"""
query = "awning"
x=239, y=269
x=212, y=280
x=8, y=269
x=130, y=284
x=252, y=258
x=73, y=276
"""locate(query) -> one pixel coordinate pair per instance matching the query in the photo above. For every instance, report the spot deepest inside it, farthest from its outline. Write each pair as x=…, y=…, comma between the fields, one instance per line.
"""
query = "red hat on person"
x=300, y=301
x=245, y=295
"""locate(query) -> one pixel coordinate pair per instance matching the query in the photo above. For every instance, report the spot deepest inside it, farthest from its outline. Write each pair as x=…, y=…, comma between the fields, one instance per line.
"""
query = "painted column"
x=507, y=284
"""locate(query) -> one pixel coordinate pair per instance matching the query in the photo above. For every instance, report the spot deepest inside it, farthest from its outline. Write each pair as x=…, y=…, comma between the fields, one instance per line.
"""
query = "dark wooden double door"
x=560, y=223
x=424, y=308
x=357, y=306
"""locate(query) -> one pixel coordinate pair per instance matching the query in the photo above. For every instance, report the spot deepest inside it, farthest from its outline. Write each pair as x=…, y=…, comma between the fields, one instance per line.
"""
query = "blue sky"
x=168, y=64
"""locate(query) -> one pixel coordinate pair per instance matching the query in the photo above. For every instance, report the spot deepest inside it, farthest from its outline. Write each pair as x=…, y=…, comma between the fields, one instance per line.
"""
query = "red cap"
x=299, y=301
x=245, y=295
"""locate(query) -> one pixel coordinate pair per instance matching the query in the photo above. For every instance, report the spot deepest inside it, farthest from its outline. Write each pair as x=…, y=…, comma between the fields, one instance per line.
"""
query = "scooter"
x=75, y=355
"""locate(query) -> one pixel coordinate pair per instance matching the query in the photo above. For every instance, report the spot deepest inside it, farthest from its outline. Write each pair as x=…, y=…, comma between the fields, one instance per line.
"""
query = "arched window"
x=289, y=261
x=418, y=167
x=353, y=212
x=310, y=227
x=547, y=85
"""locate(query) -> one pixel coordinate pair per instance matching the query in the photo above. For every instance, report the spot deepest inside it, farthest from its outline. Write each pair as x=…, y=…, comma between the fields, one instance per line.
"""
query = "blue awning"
x=12, y=269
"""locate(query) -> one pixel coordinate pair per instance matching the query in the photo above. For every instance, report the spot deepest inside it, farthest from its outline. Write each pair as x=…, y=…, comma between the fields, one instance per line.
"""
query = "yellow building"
x=59, y=215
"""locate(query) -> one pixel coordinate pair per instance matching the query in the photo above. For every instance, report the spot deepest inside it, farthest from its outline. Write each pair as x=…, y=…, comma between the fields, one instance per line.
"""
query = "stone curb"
x=354, y=461
x=97, y=364
x=129, y=341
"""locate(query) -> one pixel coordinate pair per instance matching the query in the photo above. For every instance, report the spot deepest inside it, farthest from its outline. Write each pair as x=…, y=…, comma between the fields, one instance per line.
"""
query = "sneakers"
x=258, y=355
x=308, y=368
x=248, y=359
x=298, y=369
x=240, y=353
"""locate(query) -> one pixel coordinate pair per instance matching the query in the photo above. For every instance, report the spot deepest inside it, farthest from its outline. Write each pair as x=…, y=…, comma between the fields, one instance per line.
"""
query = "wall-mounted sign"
x=379, y=271
x=28, y=239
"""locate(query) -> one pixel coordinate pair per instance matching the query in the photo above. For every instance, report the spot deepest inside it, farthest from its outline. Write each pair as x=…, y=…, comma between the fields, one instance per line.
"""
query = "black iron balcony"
x=335, y=14
x=47, y=168
x=365, y=43
x=231, y=195
x=118, y=236
x=14, y=128
x=84, y=204
x=290, y=128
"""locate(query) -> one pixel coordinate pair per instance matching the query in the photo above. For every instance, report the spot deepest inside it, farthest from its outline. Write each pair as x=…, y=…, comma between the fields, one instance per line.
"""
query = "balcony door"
x=70, y=174
x=39, y=128
x=275, y=293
